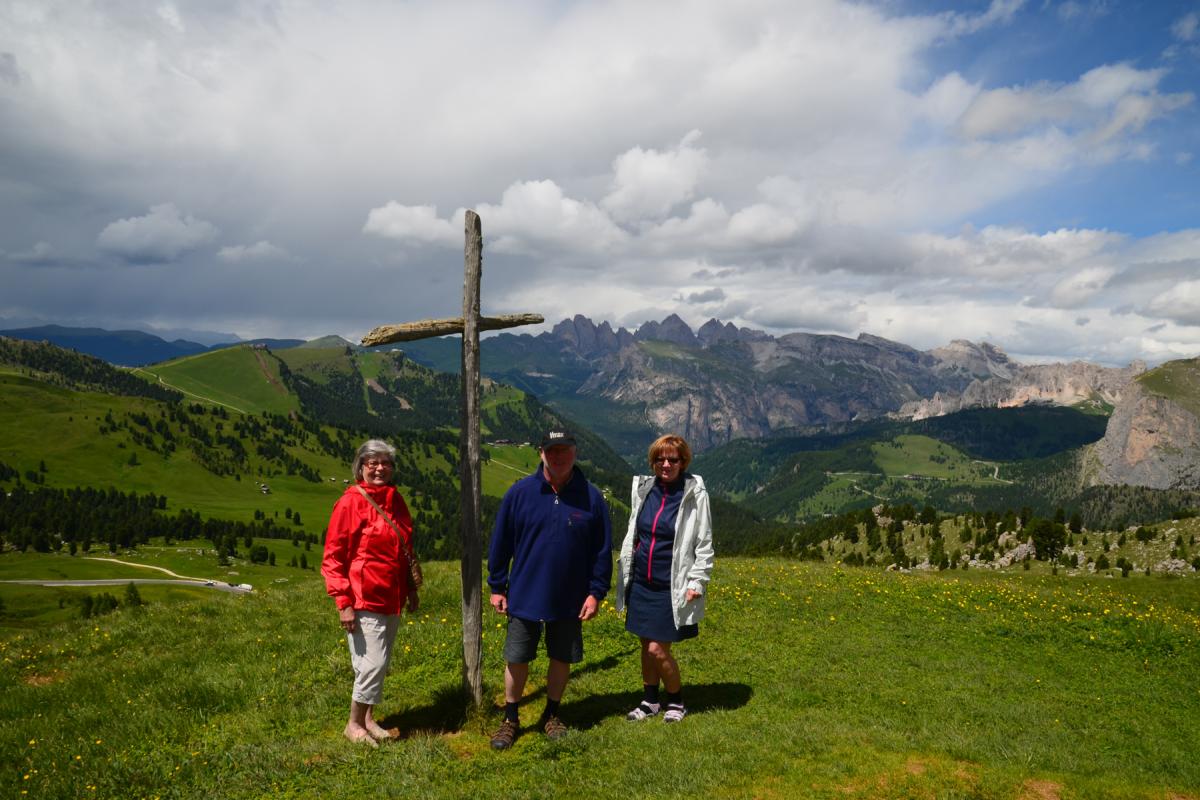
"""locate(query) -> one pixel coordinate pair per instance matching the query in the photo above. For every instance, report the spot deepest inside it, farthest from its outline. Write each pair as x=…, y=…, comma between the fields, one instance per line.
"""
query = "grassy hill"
x=262, y=435
x=806, y=681
x=240, y=378
x=1178, y=381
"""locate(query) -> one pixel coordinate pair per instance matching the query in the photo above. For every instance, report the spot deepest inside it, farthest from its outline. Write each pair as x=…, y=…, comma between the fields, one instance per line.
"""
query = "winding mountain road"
x=175, y=579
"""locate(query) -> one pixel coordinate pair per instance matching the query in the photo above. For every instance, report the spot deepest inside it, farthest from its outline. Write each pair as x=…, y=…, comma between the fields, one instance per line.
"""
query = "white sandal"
x=675, y=712
x=643, y=711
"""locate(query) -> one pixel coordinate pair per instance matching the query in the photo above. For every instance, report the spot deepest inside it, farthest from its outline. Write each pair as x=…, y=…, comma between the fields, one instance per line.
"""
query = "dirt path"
x=521, y=470
x=144, y=566
x=158, y=378
x=266, y=371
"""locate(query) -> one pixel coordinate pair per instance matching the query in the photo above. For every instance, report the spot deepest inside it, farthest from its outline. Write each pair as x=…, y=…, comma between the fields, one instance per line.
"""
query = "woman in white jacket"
x=665, y=562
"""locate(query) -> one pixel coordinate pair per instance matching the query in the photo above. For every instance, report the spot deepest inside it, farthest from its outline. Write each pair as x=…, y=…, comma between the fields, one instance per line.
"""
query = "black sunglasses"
x=667, y=460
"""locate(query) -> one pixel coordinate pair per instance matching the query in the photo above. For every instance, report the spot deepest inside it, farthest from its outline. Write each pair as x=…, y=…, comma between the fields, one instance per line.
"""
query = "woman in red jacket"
x=367, y=574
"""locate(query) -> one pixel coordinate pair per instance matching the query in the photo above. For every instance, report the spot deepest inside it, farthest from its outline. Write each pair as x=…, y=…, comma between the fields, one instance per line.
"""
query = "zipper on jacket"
x=653, y=538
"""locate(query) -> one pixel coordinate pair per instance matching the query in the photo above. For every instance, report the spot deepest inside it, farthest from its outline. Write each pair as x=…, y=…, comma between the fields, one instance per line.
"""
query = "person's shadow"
x=450, y=709
x=591, y=711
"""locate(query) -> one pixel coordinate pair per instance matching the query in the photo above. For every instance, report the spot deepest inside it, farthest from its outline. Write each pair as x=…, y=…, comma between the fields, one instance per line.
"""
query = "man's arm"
x=500, y=552
x=601, y=573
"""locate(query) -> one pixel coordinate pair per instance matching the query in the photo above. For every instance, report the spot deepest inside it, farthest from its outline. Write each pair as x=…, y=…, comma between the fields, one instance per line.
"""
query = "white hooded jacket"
x=691, y=554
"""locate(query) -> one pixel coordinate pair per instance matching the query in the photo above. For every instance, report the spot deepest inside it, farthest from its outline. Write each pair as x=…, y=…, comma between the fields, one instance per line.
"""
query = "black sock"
x=510, y=712
x=675, y=698
x=650, y=693
x=551, y=708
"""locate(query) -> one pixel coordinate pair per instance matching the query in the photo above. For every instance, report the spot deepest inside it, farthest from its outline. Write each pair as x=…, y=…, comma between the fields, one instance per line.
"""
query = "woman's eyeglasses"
x=667, y=460
x=373, y=464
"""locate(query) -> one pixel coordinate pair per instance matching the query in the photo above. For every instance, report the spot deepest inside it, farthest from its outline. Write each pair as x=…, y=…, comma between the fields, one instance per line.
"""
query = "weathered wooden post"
x=470, y=504
x=470, y=507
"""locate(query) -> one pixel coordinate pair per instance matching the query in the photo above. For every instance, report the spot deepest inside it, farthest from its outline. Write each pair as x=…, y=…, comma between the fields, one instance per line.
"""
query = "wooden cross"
x=469, y=325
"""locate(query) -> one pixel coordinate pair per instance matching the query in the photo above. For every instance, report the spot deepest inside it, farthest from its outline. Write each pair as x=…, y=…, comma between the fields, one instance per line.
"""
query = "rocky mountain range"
x=722, y=382
x=1073, y=384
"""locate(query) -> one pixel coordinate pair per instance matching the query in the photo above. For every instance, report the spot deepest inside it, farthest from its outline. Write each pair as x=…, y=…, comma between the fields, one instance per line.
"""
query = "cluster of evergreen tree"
x=47, y=520
x=78, y=371
x=223, y=445
x=104, y=603
x=886, y=529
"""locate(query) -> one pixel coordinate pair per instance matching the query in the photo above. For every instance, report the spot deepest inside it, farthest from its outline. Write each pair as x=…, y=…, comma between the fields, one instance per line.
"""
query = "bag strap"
x=408, y=553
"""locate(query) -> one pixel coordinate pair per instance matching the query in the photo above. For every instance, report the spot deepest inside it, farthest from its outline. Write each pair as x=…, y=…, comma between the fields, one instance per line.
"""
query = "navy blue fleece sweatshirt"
x=550, y=551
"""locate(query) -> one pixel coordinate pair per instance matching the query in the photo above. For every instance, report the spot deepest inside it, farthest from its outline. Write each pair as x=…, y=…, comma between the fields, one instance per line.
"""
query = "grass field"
x=806, y=681
x=927, y=457
x=243, y=379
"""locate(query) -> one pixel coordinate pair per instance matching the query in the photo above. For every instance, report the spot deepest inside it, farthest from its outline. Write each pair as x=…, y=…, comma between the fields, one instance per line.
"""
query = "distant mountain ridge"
x=127, y=348
x=722, y=382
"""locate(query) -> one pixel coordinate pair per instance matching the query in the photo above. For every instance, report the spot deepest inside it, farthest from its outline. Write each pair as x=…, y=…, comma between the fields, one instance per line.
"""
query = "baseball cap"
x=557, y=436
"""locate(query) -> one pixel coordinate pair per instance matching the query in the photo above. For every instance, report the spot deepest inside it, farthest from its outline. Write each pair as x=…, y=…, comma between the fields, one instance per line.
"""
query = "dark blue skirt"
x=648, y=615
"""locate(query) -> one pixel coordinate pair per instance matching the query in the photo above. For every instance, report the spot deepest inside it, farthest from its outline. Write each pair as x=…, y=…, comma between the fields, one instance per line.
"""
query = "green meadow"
x=808, y=680
x=904, y=466
x=242, y=378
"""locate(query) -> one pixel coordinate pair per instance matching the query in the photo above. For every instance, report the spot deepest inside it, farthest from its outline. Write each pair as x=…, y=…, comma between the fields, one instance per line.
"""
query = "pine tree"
x=133, y=597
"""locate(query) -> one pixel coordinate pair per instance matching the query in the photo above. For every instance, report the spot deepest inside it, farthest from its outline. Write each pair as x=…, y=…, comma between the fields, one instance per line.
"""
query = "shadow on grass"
x=451, y=707
x=591, y=711
x=446, y=714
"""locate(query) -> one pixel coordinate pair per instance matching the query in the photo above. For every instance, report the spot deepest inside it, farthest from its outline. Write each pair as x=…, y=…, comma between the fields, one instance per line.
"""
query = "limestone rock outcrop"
x=1153, y=435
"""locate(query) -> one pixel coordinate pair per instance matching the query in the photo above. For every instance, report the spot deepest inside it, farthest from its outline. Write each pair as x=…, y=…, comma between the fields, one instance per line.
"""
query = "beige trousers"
x=370, y=651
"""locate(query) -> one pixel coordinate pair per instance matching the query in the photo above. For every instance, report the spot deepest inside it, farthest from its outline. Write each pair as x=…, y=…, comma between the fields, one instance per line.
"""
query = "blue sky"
x=1017, y=172
x=1057, y=42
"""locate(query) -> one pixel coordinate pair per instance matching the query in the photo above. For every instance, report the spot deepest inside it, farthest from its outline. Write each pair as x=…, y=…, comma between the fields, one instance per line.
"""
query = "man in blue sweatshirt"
x=549, y=566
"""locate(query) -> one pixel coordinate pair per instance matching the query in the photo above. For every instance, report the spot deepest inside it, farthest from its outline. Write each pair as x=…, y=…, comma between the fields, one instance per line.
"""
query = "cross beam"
x=411, y=331
x=471, y=503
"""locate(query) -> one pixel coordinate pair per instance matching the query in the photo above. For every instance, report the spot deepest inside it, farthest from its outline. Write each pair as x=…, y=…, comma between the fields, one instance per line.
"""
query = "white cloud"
x=261, y=250
x=649, y=183
x=1180, y=303
x=1186, y=27
x=1011, y=254
x=412, y=223
x=804, y=312
x=535, y=215
x=1076, y=289
x=999, y=12
x=162, y=235
x=1105, y=102
x=762, y=224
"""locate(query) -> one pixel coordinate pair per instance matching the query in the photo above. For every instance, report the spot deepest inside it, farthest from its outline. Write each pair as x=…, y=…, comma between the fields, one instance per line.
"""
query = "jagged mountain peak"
x=672, y=329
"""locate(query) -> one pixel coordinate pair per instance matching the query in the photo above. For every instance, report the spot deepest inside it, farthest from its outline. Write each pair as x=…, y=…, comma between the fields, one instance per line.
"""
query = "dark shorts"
x=564, y=640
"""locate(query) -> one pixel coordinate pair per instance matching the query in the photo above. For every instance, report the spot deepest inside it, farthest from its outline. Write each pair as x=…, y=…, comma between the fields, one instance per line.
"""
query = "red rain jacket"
x=365, y=565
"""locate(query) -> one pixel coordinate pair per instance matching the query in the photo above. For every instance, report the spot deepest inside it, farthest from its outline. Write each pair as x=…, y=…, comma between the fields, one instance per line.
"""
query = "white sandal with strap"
x=675, y=712
x=643, y=711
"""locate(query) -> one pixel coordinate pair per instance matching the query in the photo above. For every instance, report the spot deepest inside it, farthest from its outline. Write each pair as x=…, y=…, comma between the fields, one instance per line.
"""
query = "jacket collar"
x=646, y=483
x=378, y=493
x=576, y=474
